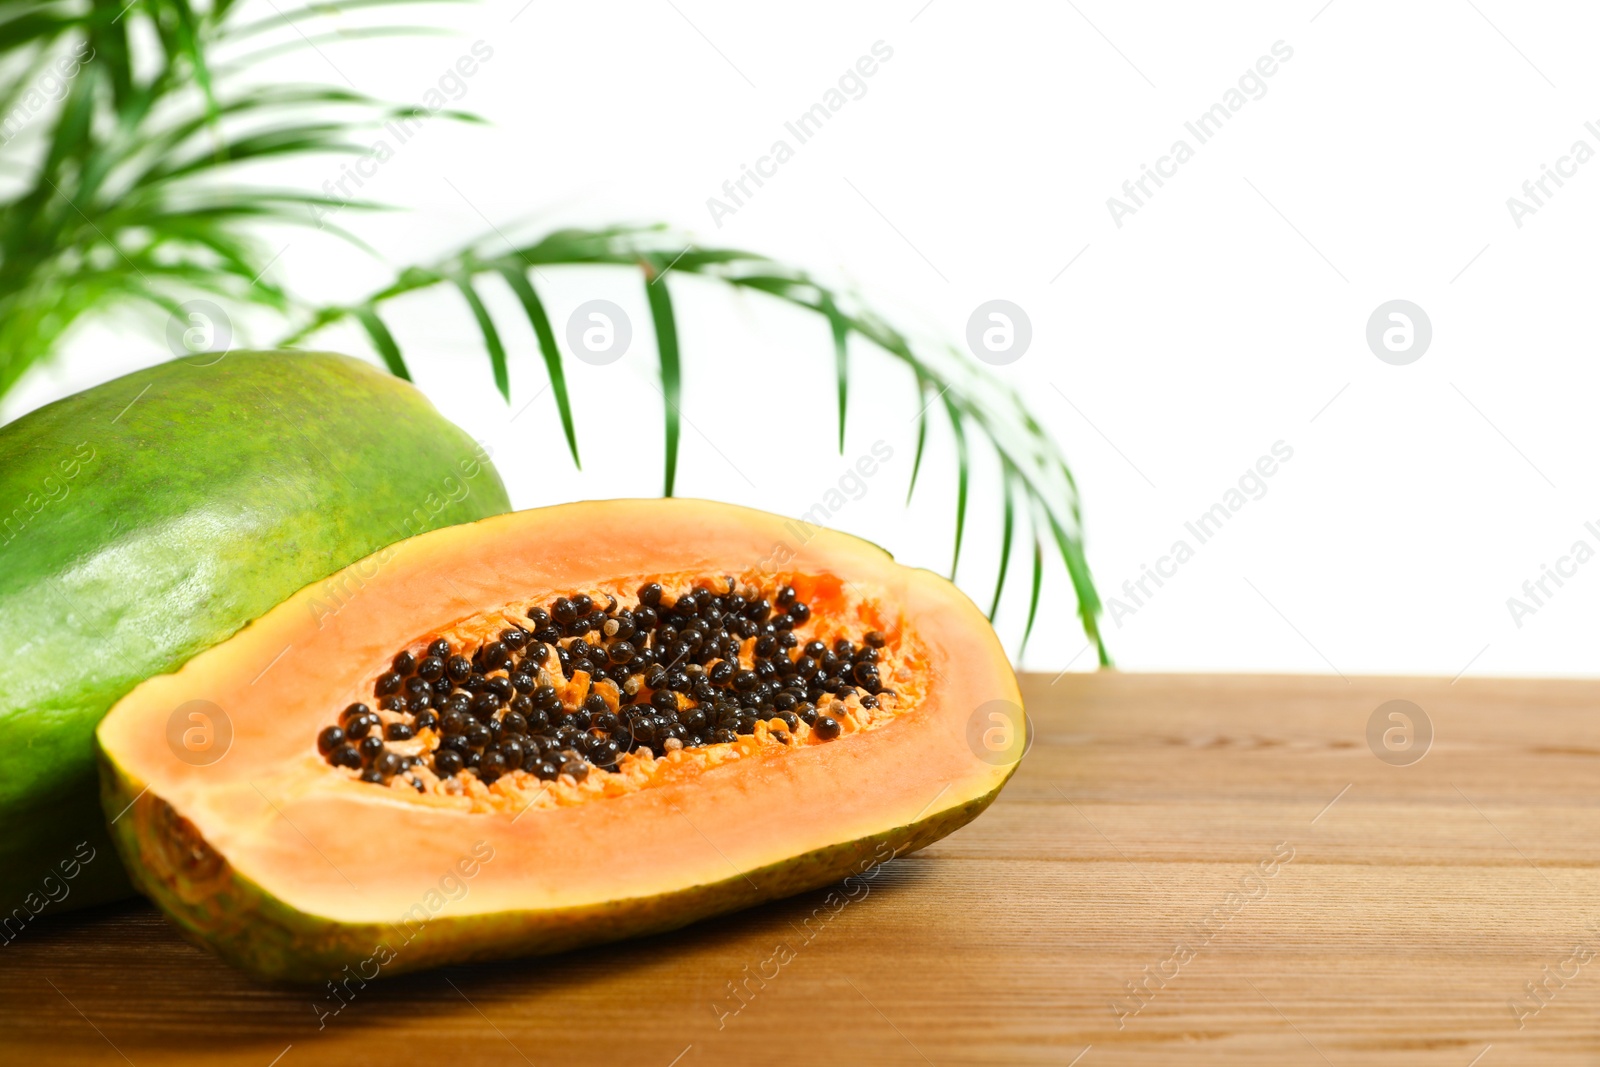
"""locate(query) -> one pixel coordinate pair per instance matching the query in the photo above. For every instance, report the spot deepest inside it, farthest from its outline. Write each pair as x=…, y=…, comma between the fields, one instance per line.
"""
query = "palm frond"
x=131, y=193
x=666, y=325
x=1034, y=586
x=533, y=307
x=1008, y=529
x=1031, y=463
x=131, y=177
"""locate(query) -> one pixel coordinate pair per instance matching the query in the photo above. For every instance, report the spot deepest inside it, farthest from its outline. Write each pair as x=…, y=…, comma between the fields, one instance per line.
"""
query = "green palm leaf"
x=132, y=194
x=534, y=308
x=958, y=428
x=130, y=191
x=1007, y=530
x=491, y=335
x=671, y=370
x=973, y=400
x=383, y=341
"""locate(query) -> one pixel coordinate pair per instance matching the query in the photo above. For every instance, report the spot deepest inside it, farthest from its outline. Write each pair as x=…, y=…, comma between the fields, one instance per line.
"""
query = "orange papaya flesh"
x=261, y=846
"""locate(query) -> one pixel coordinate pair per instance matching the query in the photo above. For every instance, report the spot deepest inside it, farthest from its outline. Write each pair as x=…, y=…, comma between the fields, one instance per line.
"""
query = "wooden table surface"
x=1186, y=869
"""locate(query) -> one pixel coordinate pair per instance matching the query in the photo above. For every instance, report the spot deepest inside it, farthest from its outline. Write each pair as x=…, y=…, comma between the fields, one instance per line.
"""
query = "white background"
x=1229, y=313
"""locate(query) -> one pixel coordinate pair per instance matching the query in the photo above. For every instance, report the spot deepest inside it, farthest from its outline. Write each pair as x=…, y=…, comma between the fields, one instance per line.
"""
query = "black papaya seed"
x=492, y=766
x=329, y=739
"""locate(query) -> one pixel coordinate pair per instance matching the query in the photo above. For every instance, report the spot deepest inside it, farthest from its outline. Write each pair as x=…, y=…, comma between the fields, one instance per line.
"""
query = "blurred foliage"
x=126, y=135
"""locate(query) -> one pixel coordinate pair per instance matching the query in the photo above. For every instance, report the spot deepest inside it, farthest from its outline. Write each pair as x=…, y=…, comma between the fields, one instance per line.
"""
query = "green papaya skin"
x=153, y=516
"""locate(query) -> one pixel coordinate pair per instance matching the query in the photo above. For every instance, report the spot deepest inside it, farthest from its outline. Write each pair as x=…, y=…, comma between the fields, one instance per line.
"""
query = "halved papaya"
x=553, y=728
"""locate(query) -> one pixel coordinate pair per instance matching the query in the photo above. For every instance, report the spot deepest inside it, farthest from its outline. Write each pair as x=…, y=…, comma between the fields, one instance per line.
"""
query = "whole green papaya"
x=150, y=517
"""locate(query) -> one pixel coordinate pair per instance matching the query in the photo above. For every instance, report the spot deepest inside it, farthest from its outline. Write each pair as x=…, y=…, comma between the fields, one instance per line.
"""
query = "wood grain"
x=1418, y=904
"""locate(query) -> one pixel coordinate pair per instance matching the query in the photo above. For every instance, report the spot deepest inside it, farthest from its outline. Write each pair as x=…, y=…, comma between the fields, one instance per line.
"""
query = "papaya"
x=153, y=516
x=556, y=728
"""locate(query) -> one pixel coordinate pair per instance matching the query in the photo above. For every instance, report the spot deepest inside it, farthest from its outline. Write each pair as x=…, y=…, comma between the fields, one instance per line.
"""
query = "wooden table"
x=1333, y=907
